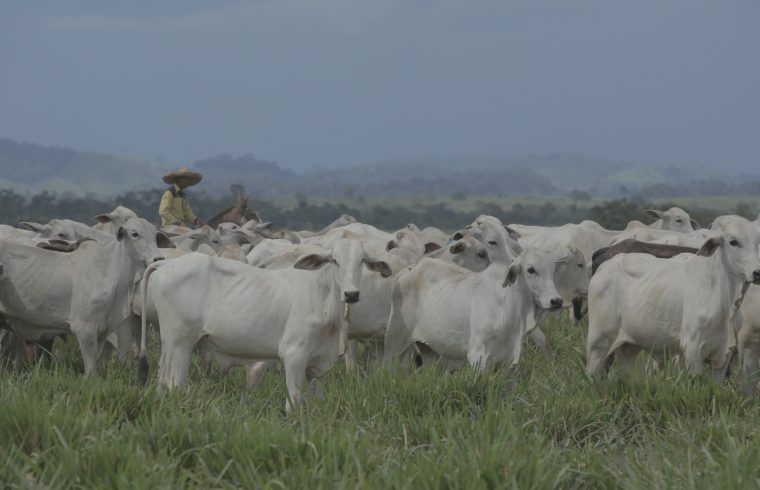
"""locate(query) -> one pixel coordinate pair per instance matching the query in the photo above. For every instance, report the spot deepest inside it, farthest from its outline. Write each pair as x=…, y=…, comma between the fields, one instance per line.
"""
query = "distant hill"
x=33, y=168
x=30, y=167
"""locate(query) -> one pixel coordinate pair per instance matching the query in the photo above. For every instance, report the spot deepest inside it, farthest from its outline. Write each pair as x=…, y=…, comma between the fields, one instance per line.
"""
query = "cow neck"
x=121, y=271
x=327, y=283
x=520, y=299
x=728, y=284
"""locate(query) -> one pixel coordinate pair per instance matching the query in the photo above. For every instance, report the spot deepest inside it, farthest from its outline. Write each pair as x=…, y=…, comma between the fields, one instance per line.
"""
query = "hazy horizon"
x=349, y=82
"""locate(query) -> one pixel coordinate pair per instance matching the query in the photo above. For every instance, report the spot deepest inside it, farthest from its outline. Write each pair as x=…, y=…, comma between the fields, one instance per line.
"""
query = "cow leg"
x=106, y=350
x=427, y=356
x=626, y=355
x=375, y=354
x=255, y=372
x=295, y=377
x=350, y=356
x=88, y=345
x=539, y=340
x=316, y=387
x=398, y=342
x=125, y=338
x=174, y=365
x=750, y=371
x=597, y=348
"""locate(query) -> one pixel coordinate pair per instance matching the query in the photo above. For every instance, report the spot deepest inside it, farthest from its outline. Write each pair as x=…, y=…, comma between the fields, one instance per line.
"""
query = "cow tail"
x=142, y=363
x=578, y=308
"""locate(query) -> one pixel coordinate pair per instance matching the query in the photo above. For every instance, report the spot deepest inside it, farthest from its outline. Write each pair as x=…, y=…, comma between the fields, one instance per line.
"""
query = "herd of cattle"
x=243, y=295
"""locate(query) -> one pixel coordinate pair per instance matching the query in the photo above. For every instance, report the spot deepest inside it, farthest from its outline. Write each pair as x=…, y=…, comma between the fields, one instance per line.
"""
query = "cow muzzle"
x=351, y=296
x=556, y=303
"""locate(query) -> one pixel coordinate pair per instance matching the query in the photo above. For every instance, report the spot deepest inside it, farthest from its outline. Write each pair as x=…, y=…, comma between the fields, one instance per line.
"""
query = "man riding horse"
x=174, y=208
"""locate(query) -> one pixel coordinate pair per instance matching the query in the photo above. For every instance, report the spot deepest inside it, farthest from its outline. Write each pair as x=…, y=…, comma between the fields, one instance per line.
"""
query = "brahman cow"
x=674, y=219
x=479, y=317
x=238, y=313
x=670, y=306
x=86, y=292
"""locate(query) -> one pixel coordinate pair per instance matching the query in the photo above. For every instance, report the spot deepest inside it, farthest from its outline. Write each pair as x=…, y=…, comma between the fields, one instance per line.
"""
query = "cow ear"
x=312, y=262
x=31, y=226
x=458, y=248
x=163, y=241
x=121, y=233
x=103, y=218
x=390, y=245
x=710, y=246
x=459, y=235
x=380, y=266
x=654, y=213
x=579, y=257
x=431, y=247
x=513, y=234
x=694, y=224
x=514, y=271
x=263, y=226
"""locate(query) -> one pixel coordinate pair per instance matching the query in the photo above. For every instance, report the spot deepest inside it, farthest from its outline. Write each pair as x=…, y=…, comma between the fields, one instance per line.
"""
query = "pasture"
x=556, y=429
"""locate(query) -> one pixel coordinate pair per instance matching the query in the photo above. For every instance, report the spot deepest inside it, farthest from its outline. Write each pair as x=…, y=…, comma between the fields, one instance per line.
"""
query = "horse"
x=238, y=214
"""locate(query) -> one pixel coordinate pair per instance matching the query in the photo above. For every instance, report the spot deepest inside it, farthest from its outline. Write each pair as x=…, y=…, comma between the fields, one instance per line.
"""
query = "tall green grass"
x=434, y=429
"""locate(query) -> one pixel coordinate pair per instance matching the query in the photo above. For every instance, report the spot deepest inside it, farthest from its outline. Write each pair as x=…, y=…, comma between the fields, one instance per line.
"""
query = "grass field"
x=557, y=429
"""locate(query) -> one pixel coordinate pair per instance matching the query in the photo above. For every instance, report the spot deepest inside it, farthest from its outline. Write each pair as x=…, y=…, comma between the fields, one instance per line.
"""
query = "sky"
x=343, y=82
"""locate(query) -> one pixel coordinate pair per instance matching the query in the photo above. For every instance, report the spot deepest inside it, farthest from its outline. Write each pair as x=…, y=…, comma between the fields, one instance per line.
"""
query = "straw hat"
x=184, y=173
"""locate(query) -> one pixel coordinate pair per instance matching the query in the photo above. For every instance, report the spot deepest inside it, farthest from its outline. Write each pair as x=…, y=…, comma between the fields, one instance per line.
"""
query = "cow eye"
x=531, y=270
x=135, y=234
x=679, y=220
x=580, y=265
x=482, y=255
x=61, y=235
x=734, y=243
x=492, y=242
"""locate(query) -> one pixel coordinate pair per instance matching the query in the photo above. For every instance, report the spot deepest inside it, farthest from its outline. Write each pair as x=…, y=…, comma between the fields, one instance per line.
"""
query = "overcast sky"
x=337, y=82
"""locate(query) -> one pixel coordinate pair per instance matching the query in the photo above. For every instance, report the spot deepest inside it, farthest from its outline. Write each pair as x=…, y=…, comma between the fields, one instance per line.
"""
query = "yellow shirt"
x=174, y=208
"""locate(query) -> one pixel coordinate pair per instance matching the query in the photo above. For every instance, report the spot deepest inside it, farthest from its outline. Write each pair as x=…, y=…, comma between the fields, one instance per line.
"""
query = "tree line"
x=613, y=214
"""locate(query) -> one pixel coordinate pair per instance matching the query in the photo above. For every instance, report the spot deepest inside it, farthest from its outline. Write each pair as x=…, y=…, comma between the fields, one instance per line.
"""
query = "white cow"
x=586, y=237
x=674, y=219
x=669, y=306
x=191, y=240
x=86, y=292
x=749, y=341
x=240, y=314
x=466, y=252
x=666, y=237
x=500, y=240
x=267, y=248
x=463, y=315
x=66, y=229
x=111, y=222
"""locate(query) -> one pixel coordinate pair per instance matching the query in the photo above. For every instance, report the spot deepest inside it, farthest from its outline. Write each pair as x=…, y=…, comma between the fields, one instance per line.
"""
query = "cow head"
x=499, y=240
x=410, y=240
x=570, y=274
x=111, y=222
x=470, y=254
x=138, y=236
x=193, y=239
x=739, y=240
x=536, y=268
x=57, y=229
x=674, y=219
x=349, y=258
